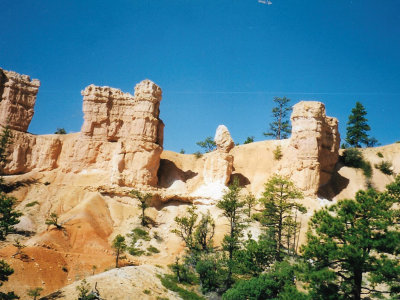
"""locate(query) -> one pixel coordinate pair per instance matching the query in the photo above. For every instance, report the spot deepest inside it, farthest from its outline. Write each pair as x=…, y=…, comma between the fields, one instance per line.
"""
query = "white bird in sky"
x=265, y=2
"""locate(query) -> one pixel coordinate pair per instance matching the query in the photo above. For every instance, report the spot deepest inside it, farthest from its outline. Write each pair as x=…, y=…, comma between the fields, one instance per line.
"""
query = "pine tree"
x=8, y=216
x=357, y=127
x=120, y=246
x=208, y=144
x=143, y=203
x=352, y=246
x=186, y=227
x=34, y=293
x=232, y=208
x=280, y=213
x=5, y=272
x=280, y=128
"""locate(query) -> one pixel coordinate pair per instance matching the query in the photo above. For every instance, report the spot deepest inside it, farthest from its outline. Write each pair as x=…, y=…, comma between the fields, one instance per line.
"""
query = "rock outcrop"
x=110, y=114
x=17, y=99
x=219, y=164
x=314, y=146
x=121, y=138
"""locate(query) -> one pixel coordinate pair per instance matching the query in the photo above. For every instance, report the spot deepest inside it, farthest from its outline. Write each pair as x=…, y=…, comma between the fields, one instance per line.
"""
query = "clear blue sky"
x=217, y=61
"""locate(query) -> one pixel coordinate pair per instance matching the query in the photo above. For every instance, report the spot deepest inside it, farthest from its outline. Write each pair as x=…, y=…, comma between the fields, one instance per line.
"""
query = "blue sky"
x=217, y=61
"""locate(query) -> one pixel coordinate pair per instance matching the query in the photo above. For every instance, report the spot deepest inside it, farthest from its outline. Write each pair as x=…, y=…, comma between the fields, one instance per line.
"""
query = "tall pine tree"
x=280, y=127
x=353, y=246
x=357, y=127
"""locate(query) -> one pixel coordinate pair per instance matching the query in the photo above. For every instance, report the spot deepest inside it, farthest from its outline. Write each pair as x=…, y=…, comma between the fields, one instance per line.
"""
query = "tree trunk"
x=357, y=284
x=116, y=259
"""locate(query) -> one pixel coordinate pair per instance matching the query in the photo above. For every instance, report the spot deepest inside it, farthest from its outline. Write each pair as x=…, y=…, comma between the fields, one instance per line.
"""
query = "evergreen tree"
x=204, y=233
x=280, y=212
x=232, y=208
x=53, y=220
x=143, y=203
x=120, y=246
x=249, y=139
x=357, y=128
x=8, y=216
x=280, y=128
x=186, y=228
x=34, y=293
x=208, y=144
x=5, y=272
x=352, y=246
x=277, y=283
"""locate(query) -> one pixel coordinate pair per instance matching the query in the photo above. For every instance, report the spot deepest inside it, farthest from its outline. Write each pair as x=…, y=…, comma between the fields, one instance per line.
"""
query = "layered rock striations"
x=17, y=99
x=121, y=137
x=314, y=146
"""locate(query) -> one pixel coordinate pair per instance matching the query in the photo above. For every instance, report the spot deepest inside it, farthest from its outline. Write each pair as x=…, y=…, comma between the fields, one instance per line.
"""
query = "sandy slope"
x=92, y=217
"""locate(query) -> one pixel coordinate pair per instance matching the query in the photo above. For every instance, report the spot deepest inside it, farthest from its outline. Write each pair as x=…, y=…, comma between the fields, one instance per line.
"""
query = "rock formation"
x=110, y=114
x=219, y=164
x=17, y=99
x=121, y=138
x=314, y=146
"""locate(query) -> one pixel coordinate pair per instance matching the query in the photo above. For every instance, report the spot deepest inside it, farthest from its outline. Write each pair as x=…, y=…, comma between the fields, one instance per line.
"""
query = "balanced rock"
x=223, y=139
x=17, y=99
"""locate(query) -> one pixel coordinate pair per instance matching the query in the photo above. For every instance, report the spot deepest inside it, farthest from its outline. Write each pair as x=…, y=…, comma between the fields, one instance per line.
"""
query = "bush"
x=169, y=282
x=250, y=139
x=385, y=167
x=140, y=233
x=367, y=169
x=153, y=249
x=198, y=154
x=30, y=204
x=60, y=131
x=379, y=154
x=353, y=157
x=278, y=153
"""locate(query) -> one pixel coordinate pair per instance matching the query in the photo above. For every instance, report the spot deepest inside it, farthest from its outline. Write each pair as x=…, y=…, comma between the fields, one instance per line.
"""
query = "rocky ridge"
x=86, y=177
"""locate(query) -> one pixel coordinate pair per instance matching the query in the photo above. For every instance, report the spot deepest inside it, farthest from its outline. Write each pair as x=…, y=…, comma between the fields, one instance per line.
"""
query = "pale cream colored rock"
x=121, y=138
x=17, y=99
x=218, y=164
x=314, y=146
x=218, y=168
x=223, y=139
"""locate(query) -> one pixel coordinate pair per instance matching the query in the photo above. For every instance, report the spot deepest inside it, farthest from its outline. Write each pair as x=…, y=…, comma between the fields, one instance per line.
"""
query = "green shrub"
x=169, y=282
x=367, y=169
x=385, y=167
x=153, y=249
x=379, y=154
x=140, y=233
x=30, y=204
x=135, y=251
x=182, y=273
x=353, y=157
x=47, y=183
x=147, y=292
x=278, y=153
x=198, y=154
